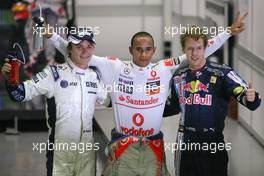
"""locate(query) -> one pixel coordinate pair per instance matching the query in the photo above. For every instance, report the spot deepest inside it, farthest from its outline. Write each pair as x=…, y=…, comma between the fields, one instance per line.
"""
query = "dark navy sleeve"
x=172, y=106
x=237, y=87
x=16, y=92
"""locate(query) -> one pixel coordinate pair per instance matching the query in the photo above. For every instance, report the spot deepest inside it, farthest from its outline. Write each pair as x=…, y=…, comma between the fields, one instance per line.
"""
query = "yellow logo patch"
x=213, y=79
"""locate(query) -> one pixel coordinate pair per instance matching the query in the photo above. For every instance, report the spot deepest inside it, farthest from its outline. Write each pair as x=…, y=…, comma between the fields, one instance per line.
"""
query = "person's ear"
x=131, y=50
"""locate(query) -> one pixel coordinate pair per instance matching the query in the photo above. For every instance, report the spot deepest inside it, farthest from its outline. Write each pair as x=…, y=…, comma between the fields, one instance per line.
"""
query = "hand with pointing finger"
x=250, y=92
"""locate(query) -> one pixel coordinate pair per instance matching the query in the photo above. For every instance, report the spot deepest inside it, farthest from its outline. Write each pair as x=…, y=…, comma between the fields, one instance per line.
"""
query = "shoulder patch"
x=168, y=62
x=216, y=71
x=111, y=58
x=55, y=73
x=223, y=66
x=210, y=43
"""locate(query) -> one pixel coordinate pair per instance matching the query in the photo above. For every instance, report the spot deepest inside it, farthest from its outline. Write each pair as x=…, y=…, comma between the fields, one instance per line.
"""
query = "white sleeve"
x=172, y=64
x=216, y=42
x=60, y=44
x=41, y=84
x=101, y=93
x=106, y=66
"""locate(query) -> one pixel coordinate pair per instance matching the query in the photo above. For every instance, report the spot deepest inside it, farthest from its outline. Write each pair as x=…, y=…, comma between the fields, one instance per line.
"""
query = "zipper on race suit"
x=81, y=130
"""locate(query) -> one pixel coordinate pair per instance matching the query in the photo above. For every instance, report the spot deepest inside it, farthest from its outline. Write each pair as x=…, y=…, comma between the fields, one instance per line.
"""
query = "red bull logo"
x=195, y=86
x=196, y=99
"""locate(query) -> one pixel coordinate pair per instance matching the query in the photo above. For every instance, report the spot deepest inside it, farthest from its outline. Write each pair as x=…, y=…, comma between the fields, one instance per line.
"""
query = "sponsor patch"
x=152, y=88
x=238, y=90
x=42, y=75
x=73, y=84
x=213, y=79
x=196, y=99
x=125, y=88
x=168, y=62
x=111, y=58
x=129, y=100
x=64, y=83
x=153, y=73
x=137, y=132
x=138, y=119
x=124, y=81
x=35, y=79
x=91, y=92
x=127, y=70
x=194, y=86
x=91, y=84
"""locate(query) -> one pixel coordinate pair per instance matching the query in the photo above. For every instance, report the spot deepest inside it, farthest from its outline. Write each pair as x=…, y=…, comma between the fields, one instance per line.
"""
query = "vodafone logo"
x=138, y=119
x=168, y=62
x=153, y=73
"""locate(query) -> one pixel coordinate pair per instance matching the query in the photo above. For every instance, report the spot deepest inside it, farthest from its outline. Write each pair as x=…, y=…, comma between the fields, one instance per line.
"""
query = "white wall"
x=246, y=64
x=252, y=39
x=108, y=2
x=116, y=29
x=258, y=26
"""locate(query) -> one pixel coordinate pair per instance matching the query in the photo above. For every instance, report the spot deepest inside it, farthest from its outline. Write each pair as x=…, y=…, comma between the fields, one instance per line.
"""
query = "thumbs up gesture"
x=250, y=93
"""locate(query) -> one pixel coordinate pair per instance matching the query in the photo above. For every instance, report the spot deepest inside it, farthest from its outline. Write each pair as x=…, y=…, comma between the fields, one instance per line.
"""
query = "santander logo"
x=129, y=100
x=121, y=98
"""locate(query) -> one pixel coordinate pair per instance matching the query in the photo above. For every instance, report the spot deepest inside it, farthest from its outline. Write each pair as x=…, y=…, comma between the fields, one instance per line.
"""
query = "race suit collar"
x=138, y=68
x=76, y=70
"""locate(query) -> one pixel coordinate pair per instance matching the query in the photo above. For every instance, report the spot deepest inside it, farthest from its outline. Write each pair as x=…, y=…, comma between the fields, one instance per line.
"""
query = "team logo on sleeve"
x=210, y=43
x=111, y=58
x=168, y=62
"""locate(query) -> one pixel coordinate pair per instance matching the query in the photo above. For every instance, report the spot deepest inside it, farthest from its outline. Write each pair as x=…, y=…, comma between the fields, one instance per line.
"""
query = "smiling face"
x=194, y=42
x=142, y=48
x=194, y=50
x=81, y=53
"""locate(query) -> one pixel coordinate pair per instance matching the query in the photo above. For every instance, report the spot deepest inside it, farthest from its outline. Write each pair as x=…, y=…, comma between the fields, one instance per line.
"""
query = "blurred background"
x=114, y=22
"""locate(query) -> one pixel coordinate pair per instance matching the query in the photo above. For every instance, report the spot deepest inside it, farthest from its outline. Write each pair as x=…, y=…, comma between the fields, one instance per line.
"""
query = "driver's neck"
x=141, y=64
x=83, y=66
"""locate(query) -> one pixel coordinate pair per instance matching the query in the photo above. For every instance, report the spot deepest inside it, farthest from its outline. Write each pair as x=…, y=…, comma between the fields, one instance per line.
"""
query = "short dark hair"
x=69, y=48
x=194, y=32
x=141, y=34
